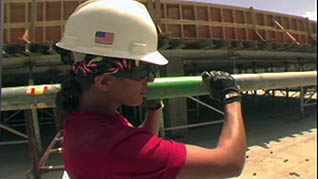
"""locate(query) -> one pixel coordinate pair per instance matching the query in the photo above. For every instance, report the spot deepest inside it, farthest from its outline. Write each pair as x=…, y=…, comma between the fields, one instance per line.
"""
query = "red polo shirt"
x=98, y=146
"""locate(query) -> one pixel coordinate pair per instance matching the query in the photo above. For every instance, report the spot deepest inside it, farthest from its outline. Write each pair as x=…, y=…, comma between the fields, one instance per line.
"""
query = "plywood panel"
x=39, y=34
x=53, y=11
x=301, y=25
x=302, y=39
x=271, y=36
x=163, y=11
x=174, y=30
x=39, y=11
x=229, y=33
x=285, y=22
x=217, y=32
x=251, y=34
x=189, y=31
x=280, y=37
x=5, y=34
x=262, y=33
x=52, y=33
x=215, y=14
x=260, y=19
x=202, y=13
x=248, y=18
x=241, y=34
x=228, y=15
x=173, y=11
x=178, y=20
x=204, y=32
x=69, y=8
x=16, y=35
x=5, y=13
x=269, y=20
x=188, y=12
x=239, y=17
x=294, y=24
x=17, y=12
x=314, y=27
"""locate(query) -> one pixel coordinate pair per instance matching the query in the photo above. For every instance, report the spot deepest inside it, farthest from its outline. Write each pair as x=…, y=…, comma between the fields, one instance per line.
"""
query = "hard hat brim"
x=155, y=58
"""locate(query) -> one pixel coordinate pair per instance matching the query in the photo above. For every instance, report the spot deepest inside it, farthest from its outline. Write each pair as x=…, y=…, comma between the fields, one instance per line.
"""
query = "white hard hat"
x=113, y=28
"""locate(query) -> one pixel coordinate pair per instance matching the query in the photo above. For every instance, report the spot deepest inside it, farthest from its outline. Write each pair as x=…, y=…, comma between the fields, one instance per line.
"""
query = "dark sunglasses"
x=138, y=74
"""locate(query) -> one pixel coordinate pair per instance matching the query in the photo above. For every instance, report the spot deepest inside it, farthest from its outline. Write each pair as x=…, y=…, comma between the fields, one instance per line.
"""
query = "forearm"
x=233, y=135
x=152, y=121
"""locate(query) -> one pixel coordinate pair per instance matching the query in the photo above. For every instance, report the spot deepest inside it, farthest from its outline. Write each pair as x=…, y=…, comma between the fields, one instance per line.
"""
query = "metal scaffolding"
x=1, y=43
x=42, y=96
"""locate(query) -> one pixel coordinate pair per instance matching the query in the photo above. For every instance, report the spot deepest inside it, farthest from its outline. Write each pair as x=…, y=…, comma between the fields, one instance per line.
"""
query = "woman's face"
x=128, y=92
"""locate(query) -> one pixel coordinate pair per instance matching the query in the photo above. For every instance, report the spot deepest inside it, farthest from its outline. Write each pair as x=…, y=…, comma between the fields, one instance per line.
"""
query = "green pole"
x=42, y=96
x=174, y=87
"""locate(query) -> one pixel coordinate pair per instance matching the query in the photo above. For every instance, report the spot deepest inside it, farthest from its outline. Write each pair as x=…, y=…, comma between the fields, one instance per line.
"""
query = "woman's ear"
x=102, y=82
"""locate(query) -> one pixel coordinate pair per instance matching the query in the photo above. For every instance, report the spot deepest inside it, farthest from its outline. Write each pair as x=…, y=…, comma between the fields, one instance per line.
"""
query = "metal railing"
x=42, y=96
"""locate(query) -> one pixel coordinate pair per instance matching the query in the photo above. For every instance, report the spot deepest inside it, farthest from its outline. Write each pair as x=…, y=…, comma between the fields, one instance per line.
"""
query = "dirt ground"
x=267, y=121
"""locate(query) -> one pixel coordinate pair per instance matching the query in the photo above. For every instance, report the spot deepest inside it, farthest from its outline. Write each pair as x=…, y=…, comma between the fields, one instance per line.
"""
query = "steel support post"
x=35, y=120
x=302, y=93
x=33, y=129
x=302, y=107
x=162, y=132
x=176, y=110
x=34, y=152
x=1, y=43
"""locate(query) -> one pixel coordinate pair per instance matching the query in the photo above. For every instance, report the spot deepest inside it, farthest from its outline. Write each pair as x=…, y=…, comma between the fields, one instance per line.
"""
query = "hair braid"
x=68, y=98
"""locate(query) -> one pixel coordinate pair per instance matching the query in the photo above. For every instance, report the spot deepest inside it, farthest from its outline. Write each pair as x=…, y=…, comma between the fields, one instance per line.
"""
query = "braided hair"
x=80, y=78
x=68, y=98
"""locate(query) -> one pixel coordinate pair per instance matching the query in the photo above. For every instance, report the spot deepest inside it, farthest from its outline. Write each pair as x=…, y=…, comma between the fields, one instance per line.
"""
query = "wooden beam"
x=286, y=31
x=151, y=9
x=31, y=28
x=310, y=32
x=254, y=21
x=158, y=11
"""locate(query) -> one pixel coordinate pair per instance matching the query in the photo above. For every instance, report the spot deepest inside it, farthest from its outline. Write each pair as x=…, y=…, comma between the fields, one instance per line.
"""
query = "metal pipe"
x=240, y=54
x=14, y=142
x=48, y=60
x=42, y=96
x=15, y=132
x=206, y=105
x=193, y=86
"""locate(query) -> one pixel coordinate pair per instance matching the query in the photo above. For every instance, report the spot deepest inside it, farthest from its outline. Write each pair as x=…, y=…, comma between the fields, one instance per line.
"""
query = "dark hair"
x=68, y=98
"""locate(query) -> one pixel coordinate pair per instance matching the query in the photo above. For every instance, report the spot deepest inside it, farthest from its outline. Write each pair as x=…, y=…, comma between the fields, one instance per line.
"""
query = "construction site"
x=272, y=56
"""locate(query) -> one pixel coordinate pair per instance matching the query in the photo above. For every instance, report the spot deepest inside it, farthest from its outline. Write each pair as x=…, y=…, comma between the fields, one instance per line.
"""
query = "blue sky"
x=305, y=8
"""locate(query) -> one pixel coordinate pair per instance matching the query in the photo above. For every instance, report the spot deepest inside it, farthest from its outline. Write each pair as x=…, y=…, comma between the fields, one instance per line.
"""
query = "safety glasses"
x=140, y=73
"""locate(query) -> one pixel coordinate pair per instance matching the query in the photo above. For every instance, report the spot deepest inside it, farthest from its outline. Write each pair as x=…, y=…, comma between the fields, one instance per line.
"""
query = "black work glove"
x=152, y=105
x=223, y=87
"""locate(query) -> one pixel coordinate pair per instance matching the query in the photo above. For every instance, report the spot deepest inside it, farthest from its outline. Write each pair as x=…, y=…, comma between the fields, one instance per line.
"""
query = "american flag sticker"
x=106, y=38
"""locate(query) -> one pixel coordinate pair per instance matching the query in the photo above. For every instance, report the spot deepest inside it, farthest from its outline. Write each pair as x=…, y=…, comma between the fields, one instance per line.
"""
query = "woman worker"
x=113, y=46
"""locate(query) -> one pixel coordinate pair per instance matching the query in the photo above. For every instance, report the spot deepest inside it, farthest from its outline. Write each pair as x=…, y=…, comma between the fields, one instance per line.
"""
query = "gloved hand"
x=152, y=105
x=223, y=86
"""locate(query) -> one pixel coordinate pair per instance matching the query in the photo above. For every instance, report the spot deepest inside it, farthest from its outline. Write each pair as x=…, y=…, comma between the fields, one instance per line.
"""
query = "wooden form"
x=176, y=19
